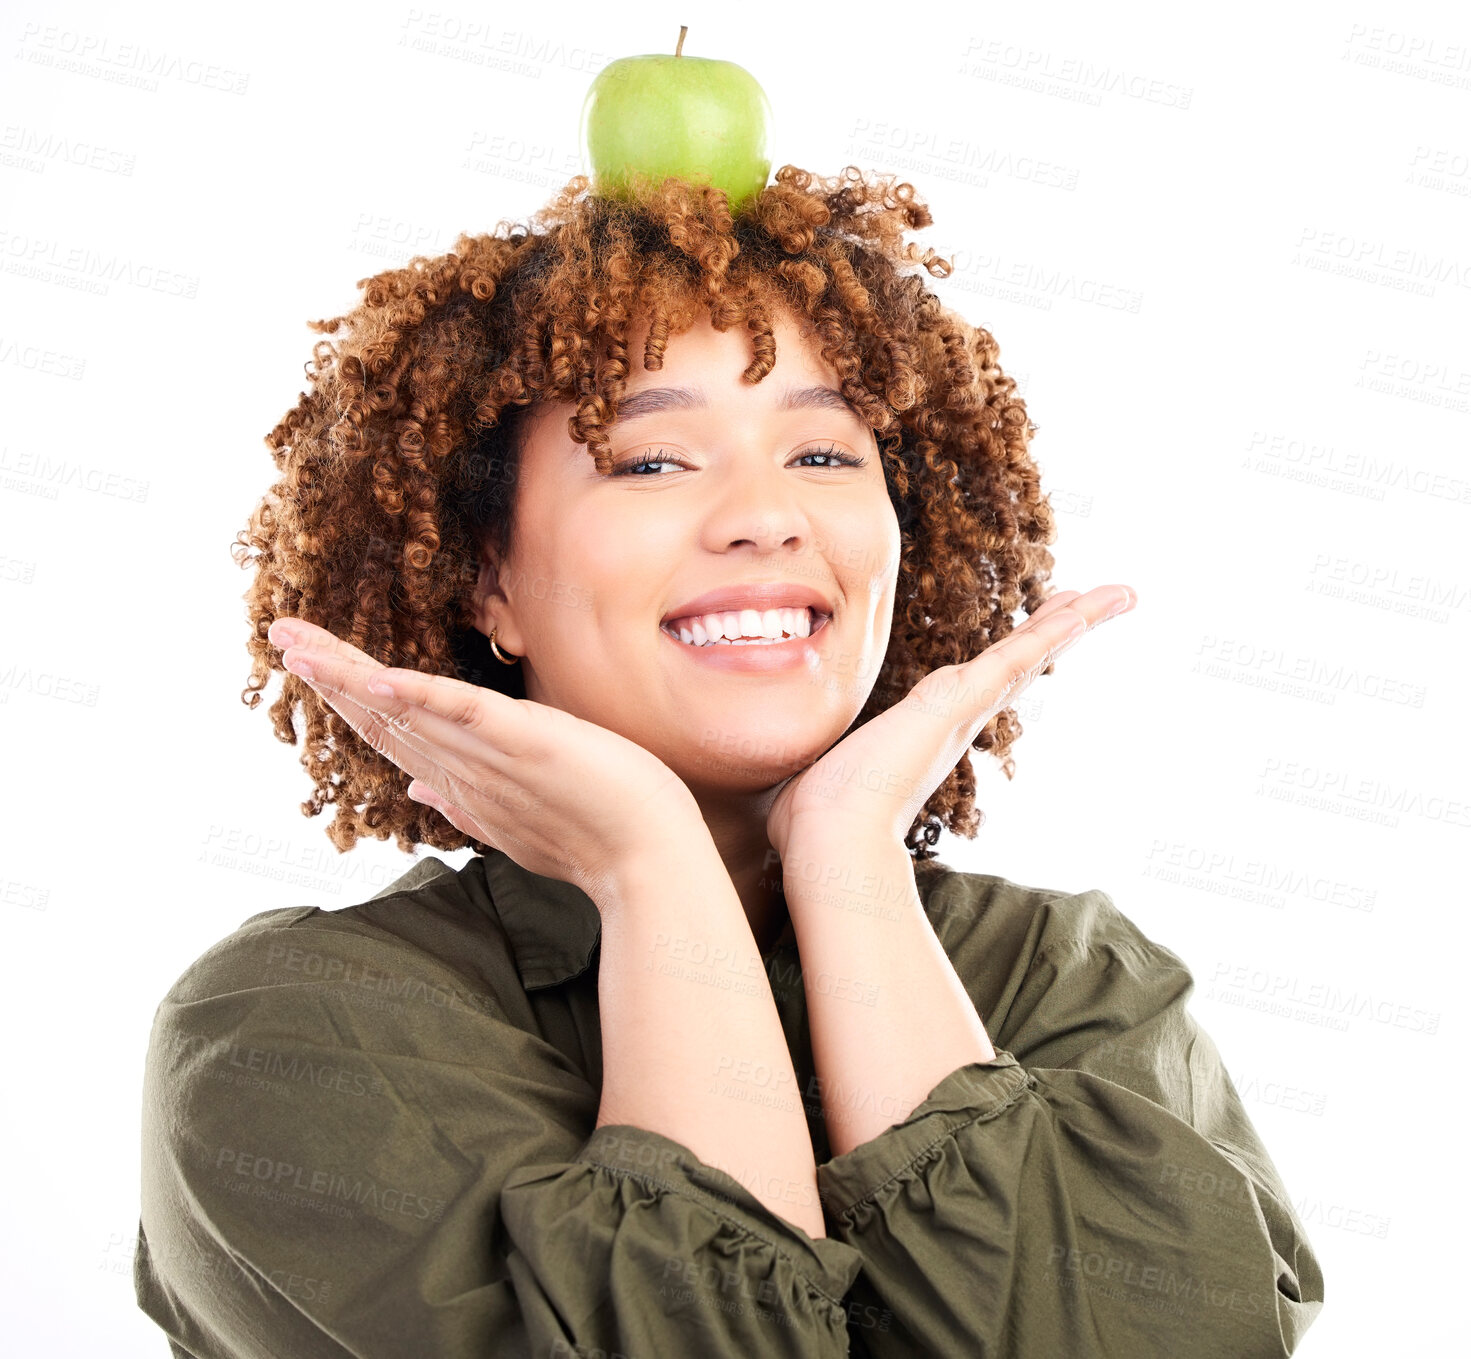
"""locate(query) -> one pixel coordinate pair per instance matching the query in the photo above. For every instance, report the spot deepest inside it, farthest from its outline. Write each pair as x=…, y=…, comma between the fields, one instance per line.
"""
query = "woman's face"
x=718, y=485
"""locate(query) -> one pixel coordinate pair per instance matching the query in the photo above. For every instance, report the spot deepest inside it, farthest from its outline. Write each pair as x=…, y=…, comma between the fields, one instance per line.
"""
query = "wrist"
x=853, y=864
x=681, y=848
x=834, y=847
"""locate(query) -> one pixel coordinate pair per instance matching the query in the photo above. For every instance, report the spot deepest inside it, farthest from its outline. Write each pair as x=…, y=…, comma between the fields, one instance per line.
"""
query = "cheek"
x=555, y=597
x=576, y=558
x=864, y=550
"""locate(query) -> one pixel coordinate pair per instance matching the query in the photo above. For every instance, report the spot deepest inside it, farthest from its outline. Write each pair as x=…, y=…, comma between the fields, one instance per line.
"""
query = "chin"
x=737, y=760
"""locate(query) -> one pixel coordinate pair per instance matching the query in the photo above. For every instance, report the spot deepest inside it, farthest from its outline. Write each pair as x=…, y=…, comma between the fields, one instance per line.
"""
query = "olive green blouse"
x=370, y=1132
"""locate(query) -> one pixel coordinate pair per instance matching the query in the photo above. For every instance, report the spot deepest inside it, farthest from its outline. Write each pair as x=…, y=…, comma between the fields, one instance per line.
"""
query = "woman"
x=703, y=1053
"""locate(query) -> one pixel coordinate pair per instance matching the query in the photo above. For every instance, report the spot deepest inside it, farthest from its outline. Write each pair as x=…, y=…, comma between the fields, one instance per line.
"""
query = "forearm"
x=890, y=1018
x=684, y=1003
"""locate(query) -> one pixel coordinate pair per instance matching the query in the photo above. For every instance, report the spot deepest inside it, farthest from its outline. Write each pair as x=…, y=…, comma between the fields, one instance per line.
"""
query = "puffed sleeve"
x=1095, y=1190
x=639, y=1247
x=346, y=1152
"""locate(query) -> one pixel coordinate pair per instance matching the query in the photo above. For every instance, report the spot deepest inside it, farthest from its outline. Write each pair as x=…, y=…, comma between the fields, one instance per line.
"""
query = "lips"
x=766, y=657
x=773, y=624
x=759, y=596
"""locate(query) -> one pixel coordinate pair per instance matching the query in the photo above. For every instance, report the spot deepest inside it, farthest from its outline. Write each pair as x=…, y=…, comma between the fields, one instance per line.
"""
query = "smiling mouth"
x=747, y=627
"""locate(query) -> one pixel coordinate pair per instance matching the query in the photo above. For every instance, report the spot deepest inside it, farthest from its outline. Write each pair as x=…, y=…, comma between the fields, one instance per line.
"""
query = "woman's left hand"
x=876, y=780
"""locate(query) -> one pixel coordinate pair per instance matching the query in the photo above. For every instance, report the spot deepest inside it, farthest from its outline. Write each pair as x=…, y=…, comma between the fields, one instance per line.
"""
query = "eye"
x=625, y=469
x=840, y=460
x=843, y=459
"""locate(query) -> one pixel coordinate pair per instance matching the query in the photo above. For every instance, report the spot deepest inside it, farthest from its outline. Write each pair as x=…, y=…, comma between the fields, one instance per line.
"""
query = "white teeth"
x=744, y=627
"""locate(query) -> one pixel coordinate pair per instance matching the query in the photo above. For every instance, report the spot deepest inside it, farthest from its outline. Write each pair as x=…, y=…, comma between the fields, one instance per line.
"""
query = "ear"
x=494, y=610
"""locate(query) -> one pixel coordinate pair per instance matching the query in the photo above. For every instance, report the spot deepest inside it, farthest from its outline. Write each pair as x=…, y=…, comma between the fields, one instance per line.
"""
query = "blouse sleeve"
x=1095, y=1190
x=348, y=1155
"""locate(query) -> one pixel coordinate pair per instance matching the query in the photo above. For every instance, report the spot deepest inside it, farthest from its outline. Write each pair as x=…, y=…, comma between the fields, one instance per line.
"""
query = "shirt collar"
x=554, y=927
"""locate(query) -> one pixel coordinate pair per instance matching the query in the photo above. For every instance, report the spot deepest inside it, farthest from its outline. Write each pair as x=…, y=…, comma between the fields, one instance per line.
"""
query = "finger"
x=1124, y=597
x=485, y=713
x=433, y=727
x=967, y=696
x=345, y=683
x=456, y=815
x=1095, y=607
x=440, y=764
x=287, y=631
x=381, y=733
x=1027, y=653
x=445, y=720
x=1022, y=656
x=461, y=819
x=441, y=758
x=338, y=666
x=1052, y=603
x=466, y=706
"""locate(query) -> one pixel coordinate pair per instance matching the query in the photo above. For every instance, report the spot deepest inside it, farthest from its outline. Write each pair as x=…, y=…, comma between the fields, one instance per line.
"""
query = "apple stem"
x=683, y=29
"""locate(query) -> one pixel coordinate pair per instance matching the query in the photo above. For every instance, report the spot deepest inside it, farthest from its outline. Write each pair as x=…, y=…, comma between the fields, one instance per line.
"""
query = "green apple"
x=700, y=120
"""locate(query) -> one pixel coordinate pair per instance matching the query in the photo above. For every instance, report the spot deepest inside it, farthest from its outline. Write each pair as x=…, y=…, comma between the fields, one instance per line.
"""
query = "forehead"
x=787, y=396
x=700, y=353
x=693, y=319
x=702, y=365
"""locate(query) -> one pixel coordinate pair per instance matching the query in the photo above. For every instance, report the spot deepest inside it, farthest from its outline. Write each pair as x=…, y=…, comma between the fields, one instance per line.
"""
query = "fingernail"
x=298, y=665
x=282, y=635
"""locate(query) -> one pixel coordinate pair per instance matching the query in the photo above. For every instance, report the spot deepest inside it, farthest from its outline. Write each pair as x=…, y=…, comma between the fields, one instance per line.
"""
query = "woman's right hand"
x=563, y=797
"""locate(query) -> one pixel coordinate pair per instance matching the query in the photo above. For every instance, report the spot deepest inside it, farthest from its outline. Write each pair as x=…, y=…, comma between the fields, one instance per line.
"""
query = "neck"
x=737, y=825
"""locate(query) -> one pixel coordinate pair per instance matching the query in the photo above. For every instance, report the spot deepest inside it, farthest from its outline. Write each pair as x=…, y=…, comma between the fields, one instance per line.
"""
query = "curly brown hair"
x=400, y=463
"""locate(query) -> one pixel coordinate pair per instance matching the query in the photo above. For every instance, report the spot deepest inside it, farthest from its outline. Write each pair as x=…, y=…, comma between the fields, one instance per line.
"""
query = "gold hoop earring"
x=504, y=660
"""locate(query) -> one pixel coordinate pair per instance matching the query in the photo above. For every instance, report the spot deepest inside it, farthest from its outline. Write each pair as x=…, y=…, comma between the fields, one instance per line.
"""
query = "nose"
x=758, y=508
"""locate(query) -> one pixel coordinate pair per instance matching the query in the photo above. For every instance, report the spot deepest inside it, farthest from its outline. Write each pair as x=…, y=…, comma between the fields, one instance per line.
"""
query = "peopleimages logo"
x=121, y=63
x=1158, y=1279
x=1324, y=1003
x=351, y=973
x=1066, y=77
x=263, y=1175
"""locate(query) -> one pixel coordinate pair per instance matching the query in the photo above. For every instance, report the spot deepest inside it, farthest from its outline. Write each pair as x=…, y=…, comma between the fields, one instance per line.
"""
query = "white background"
x=1227, y=254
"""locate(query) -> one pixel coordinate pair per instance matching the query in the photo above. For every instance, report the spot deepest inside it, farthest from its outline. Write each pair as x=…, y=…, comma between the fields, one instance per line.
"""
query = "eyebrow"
x=652, y=400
